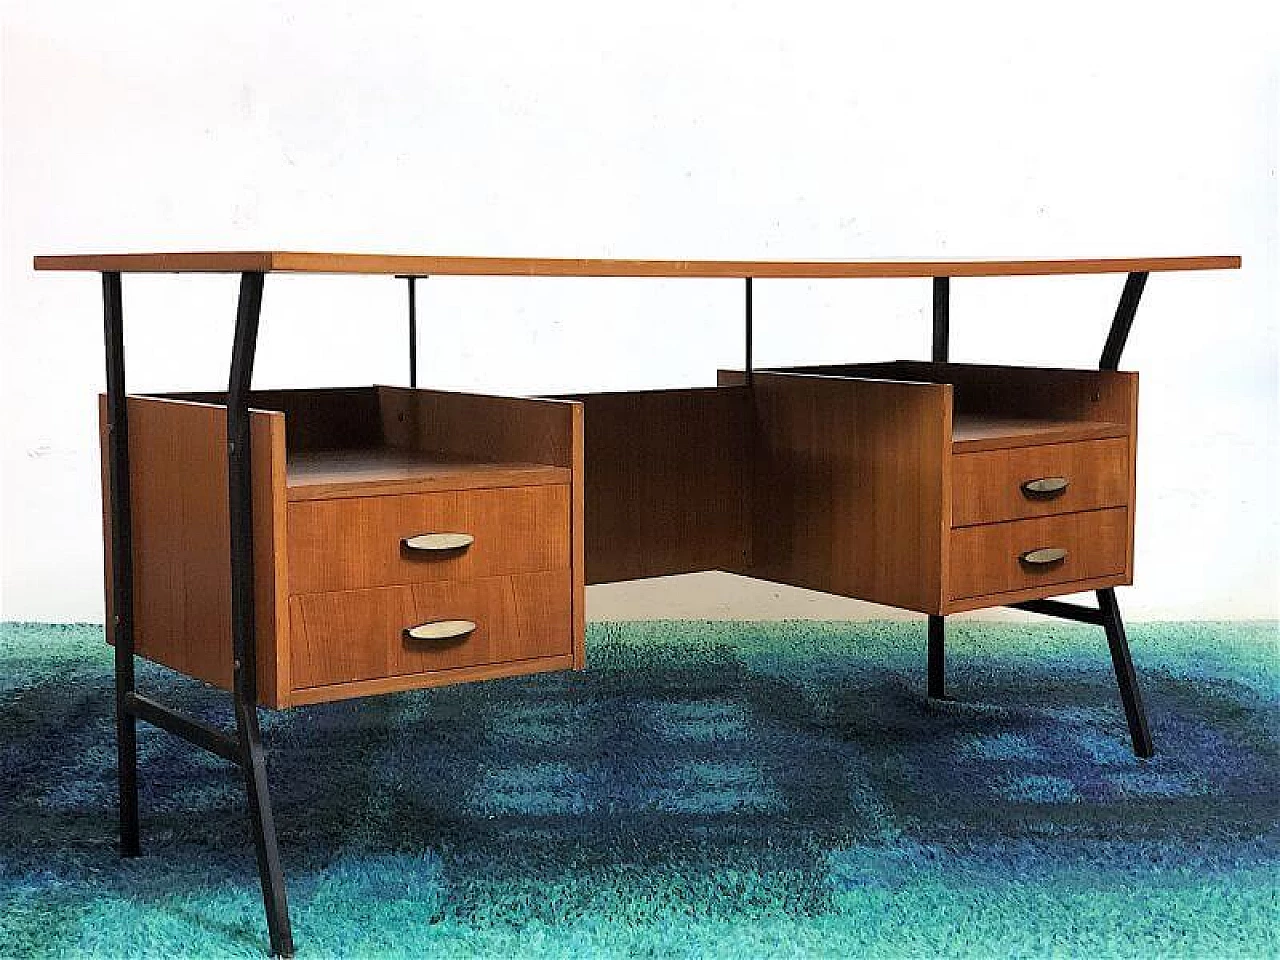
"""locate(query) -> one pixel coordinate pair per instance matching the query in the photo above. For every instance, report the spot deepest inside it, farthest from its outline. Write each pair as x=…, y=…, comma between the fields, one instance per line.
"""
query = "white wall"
x=693, y=129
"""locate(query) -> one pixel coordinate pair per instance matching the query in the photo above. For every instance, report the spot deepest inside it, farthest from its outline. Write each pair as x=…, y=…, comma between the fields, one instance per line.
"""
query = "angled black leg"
x=1108, y=617
x=937, y=658
x=1122, y=323
x=1126, y=678
x=121, y=627
x=245, y=673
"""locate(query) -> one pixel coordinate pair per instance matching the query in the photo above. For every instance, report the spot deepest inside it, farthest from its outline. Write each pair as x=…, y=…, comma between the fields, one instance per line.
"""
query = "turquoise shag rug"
x=704, y=790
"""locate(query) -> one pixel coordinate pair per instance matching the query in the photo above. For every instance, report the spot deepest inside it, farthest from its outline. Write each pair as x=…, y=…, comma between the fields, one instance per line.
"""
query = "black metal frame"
x=1107, y=614
x=245, y=748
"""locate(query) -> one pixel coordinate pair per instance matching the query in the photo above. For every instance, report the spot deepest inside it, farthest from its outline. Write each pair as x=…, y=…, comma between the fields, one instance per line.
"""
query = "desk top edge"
x=401, y=265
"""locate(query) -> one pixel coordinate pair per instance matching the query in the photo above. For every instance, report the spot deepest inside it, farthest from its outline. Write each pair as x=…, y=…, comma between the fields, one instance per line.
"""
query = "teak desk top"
x=397, y=264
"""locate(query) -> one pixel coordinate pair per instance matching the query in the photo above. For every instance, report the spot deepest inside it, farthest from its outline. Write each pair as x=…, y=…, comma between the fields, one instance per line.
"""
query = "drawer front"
x=992, y=558
x=361, y=634
x=358, y=542
x=992, y=486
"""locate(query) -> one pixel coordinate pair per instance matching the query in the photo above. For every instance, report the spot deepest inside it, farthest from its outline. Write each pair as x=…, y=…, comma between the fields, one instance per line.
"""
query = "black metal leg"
x=1126, y=310
x=941, y=319
x=1126, y=677
x=748, y=361
x=121, y=626
x=265, y=845
x=240, y=491
x=937, y=657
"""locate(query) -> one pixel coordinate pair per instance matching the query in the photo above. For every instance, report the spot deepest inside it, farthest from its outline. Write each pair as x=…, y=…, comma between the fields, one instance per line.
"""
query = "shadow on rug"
x=703, y=790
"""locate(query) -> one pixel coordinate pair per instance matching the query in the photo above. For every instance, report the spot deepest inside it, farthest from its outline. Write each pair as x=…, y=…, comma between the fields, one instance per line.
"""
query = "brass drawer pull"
x=1044, y=556
x=440, y=630
x=438, y=542
x=1045, y=488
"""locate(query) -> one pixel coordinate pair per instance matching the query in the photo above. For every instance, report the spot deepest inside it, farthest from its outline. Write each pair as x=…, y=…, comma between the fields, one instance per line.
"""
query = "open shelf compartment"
x=996, y=407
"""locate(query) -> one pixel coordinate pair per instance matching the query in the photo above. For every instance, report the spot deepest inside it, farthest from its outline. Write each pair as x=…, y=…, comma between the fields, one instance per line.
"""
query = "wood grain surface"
x=985, y=559
x=359, y=634
x=182, y=541
x=852, y=492
x=666, y=482
x=356, y=542
x=400, y=264
x=987, y=487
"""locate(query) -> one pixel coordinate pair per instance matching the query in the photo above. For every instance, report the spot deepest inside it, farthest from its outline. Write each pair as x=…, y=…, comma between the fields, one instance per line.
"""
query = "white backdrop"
x=671, y=130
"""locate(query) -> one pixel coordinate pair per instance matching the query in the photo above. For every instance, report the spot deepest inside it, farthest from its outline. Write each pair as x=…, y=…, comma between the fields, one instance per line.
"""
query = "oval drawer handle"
x=1045, y=488
x=438, y=542
x=439, y=630
x=1044, y=556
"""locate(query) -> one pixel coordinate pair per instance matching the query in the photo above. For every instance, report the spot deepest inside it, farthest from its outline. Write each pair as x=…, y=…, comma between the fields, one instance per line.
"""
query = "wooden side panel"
x=474, y=427
x=852, y=488
x=667, y=482
x=181, y=541
x=1133, y=474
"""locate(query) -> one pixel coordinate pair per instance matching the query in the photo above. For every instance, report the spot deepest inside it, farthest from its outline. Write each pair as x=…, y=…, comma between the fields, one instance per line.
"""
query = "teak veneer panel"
x=182, y=540
x=667, y=482
x=359, y=634
x=985, y=559
x=987, y=487
x=352, y=543
x=852, y=492
x=475, y=427
x=395, y=264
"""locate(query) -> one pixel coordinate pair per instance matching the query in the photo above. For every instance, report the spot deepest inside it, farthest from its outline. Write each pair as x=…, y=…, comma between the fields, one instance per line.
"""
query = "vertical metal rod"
x=413, y=332
x=244, y=649
x=937, y=657
x=240, y=484
x=940, y=353
x=121, y=627
x=1126, y=677
x=749, y=333
x=1123, y=321
x=941, y=319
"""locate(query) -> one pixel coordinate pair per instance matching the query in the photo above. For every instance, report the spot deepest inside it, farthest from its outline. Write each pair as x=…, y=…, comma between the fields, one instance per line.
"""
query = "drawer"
x=361, y=634
x=358, y=542
x=989, y=559
x=992, y=486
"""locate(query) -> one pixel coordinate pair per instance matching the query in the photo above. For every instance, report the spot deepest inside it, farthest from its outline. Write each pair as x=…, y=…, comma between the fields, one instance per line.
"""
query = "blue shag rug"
x=715, y=790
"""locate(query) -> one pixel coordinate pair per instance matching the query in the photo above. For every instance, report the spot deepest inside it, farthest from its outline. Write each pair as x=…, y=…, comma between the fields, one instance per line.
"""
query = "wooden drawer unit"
x=376, y=541
x=905, y=483
x=1012, y=484
x=998, y=558
x=354, y=635
x=341, y=478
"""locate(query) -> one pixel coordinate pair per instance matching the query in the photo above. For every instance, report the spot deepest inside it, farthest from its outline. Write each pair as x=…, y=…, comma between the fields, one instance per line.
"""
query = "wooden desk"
x=295, y=547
